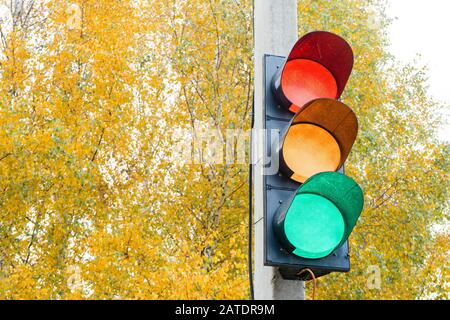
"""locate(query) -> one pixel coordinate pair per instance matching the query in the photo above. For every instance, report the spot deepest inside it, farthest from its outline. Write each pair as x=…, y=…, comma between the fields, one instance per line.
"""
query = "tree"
x=73, y=127
x=99, y=98
x=93, y=205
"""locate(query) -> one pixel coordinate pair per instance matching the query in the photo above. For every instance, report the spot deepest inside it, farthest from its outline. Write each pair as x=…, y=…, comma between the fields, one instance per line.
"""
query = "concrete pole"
x=275, y=32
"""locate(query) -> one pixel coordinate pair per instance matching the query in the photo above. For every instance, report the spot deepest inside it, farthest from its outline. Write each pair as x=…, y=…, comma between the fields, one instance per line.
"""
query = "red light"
x=305, y=80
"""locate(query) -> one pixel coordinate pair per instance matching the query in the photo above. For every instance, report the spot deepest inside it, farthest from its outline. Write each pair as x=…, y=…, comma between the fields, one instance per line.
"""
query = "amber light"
x=308, y=149
x=305, y=80
x=319, y=138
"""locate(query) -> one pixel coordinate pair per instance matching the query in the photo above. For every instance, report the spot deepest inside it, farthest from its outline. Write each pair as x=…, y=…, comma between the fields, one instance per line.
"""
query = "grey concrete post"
x=275, y=32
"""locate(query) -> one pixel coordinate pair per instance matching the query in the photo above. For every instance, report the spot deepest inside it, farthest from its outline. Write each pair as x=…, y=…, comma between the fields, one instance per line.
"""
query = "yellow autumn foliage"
x=93, y=204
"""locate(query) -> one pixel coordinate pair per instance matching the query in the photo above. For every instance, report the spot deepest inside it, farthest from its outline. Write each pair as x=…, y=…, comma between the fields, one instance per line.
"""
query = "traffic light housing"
x=310, y=206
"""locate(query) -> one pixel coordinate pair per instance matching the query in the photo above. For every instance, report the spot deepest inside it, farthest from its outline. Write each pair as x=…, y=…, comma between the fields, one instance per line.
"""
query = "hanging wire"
x=314, y=280
x=250, y=244
x=250, y=183
x=250, y=208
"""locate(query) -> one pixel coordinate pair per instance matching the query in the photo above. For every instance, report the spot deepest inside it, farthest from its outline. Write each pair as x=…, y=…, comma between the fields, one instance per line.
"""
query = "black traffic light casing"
x=280, y=189
x=303, y=90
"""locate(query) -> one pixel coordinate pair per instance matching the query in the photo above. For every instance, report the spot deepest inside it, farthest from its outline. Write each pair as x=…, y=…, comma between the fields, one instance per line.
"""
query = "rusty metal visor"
x=319, y=138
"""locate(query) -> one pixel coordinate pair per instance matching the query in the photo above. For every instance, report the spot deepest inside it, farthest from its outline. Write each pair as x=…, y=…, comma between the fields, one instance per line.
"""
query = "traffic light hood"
x=319, y=138
x=318, y=66
x=328, y=49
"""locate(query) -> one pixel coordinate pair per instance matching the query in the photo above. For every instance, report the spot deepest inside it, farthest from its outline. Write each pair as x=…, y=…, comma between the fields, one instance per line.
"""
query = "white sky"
x=423, y=27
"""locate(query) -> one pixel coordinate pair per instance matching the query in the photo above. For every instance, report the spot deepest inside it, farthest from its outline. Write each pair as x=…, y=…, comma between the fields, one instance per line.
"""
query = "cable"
x=314, y=280
x=250, y=218
x=250, y=205
x=250, y=221
x=250, y=181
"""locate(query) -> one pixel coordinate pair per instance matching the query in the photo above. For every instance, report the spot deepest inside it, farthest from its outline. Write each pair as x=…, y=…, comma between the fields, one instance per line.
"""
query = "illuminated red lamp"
x=318, y=66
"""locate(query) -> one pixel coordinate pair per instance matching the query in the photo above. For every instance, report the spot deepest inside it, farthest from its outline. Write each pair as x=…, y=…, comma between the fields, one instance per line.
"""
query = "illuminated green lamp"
x=320, y=216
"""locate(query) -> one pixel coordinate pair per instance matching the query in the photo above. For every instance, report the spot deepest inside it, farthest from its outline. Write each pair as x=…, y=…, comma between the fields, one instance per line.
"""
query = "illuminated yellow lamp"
x=319, y=139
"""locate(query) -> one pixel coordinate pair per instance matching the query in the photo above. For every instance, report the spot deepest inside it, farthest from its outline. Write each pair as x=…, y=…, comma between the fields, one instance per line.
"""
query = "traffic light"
x=310, y=206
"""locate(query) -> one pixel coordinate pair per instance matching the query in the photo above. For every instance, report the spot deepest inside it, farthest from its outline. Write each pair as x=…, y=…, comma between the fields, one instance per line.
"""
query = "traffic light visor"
x=328, y=49
x=318, y=139
x=318, y=66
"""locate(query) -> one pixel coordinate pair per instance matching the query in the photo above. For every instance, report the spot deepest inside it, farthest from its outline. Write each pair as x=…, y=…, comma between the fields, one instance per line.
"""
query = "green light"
x=314, y=226
x=343, y=191
x=320, y=216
